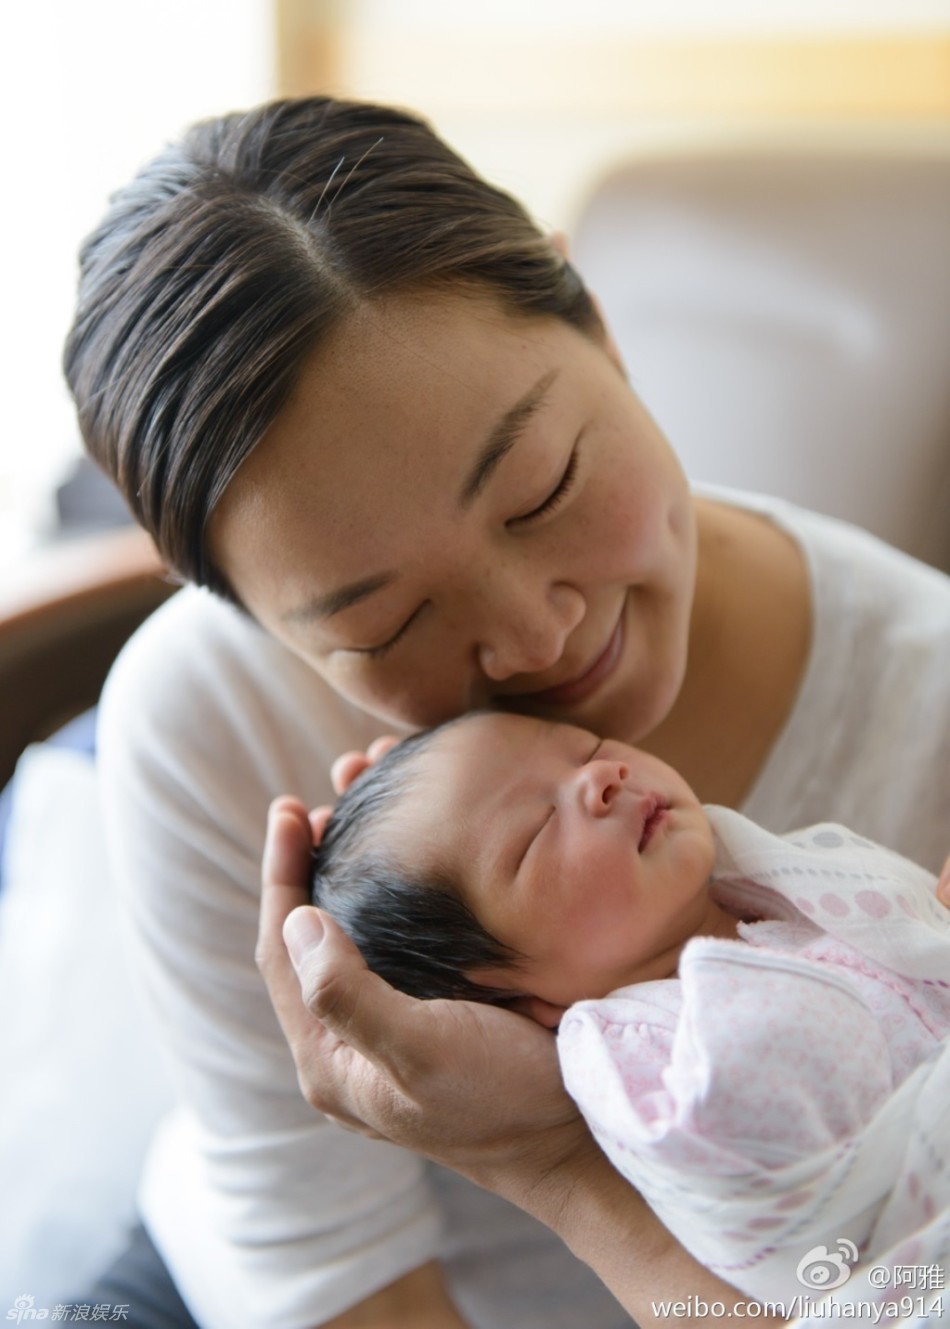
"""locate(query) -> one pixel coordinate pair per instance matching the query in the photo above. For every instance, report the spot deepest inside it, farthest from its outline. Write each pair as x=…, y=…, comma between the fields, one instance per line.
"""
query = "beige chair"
x=786, y=317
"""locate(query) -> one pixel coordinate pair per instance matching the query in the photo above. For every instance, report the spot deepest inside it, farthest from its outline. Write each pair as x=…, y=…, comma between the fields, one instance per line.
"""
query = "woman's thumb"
x=303, y=933
x=357, y=1006
x=331, y=972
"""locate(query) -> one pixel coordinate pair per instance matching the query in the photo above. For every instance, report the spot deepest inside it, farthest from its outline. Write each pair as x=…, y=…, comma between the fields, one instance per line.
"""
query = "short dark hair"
x=410, y=924
x=235, y=253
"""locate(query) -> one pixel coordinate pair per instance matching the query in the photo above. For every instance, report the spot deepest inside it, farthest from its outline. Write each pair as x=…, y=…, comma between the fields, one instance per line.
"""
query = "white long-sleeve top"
x=267, y=1214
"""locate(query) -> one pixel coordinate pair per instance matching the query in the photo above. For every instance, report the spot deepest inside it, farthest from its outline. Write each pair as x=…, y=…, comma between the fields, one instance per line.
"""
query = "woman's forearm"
x=418, y=1300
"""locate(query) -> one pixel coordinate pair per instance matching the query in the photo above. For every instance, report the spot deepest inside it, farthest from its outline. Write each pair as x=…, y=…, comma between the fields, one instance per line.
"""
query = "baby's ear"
x=539, y=1010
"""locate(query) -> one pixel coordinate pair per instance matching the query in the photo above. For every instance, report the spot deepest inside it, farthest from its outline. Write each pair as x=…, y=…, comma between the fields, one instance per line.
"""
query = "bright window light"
x=90, y=89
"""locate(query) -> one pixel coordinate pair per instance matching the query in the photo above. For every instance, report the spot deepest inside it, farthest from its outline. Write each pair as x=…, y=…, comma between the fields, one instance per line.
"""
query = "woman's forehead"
x=456, y=348
x=404, y=411
x=413, y=377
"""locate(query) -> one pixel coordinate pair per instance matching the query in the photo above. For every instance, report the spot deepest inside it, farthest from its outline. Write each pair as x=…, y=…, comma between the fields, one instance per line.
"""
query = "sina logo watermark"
x=23, y=1309
x=823, y=1269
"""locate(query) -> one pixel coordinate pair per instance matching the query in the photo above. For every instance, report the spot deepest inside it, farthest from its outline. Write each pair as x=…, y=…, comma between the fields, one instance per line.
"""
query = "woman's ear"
x=559, y=242
x=607, y=341
x=537, y=1009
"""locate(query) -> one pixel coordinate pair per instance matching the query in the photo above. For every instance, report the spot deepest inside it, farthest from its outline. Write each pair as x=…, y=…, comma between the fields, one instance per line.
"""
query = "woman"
x=350, y=388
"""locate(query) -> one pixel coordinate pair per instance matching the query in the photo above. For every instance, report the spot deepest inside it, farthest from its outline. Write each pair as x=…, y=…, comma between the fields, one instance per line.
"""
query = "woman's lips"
x=580, y=688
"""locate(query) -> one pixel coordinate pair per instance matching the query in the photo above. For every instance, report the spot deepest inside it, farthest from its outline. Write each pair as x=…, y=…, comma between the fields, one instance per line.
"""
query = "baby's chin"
x=640, y=970
x=596, y=989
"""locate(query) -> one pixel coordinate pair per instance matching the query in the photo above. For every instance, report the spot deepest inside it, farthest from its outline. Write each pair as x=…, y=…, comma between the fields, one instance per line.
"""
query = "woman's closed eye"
x=378, y=652
x=556, y=496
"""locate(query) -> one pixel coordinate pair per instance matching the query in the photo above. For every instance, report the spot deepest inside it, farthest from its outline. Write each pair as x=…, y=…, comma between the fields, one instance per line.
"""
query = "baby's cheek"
x=600, y=925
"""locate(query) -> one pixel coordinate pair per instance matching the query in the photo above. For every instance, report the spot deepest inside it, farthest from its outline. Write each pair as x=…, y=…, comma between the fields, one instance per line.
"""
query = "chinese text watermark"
x=25, y=1311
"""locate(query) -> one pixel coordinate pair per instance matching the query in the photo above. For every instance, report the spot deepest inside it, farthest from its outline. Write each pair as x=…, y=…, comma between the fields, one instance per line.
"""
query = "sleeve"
x=867, y=744
x=265, y=1212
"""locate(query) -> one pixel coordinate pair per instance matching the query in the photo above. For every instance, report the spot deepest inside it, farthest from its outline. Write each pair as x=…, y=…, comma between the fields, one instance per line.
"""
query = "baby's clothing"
x=738, y=1096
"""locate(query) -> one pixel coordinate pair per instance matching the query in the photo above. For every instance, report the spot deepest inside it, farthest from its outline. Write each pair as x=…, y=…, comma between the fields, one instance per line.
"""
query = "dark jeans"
x=138, y=1279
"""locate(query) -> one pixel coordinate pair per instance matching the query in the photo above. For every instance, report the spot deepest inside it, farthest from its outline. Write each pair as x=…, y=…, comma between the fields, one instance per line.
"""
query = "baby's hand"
x=350, y=765
x=943, y=885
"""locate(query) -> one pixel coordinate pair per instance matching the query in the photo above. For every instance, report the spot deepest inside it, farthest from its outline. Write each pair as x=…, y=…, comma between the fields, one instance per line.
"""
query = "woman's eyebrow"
x=503, y=437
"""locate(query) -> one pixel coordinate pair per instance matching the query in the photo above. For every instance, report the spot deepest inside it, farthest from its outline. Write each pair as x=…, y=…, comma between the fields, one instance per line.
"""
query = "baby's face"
x=589, y=857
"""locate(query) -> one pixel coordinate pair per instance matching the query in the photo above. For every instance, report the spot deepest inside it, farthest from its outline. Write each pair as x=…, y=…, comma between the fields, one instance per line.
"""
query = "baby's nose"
x=599, y=783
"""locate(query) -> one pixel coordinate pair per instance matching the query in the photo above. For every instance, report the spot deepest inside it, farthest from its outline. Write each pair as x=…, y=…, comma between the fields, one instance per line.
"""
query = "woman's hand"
x=471, y=1086
x=347, y=767
x=943, y=885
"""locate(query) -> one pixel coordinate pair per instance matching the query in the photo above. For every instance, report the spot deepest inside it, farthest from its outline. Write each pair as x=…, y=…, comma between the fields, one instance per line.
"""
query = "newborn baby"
x=743, y=1018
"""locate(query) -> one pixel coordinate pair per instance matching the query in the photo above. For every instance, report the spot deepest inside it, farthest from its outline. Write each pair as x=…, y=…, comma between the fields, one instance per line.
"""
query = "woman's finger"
x=943, y=885
x=380, y=746
x=287, y=844
x=318, y=822
x=347, y=768
x=285, y=877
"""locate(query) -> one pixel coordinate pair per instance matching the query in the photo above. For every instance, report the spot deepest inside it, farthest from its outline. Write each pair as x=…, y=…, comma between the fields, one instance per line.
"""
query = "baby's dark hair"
x=410, y=924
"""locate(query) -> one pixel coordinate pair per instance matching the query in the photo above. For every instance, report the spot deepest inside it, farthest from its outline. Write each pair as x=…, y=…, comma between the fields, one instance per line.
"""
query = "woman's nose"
x=528, y=636
x=598, y=783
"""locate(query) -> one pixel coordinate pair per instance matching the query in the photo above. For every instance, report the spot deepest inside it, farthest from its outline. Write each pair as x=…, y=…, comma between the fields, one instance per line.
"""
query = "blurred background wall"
x=542, y=96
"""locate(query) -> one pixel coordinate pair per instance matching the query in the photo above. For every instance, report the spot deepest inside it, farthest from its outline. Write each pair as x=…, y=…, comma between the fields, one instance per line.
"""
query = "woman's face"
x=463, y=508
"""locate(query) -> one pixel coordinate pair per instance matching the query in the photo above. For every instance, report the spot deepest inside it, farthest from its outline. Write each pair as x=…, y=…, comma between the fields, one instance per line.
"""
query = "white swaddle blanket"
x=790, y=1089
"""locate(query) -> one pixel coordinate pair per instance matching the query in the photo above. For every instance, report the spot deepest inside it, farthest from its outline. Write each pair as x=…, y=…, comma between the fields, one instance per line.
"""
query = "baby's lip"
x=651, y=815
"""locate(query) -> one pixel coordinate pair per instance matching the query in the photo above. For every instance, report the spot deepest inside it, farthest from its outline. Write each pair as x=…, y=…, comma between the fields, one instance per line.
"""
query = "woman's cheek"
x=417, y=694
x=359, y=680
x=621, y=514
